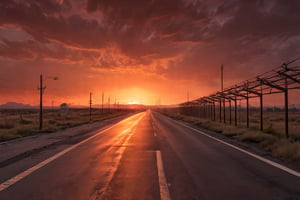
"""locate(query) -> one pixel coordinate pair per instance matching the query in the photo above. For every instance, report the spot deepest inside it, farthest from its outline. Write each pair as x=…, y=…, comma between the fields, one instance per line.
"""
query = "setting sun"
x=134, y=102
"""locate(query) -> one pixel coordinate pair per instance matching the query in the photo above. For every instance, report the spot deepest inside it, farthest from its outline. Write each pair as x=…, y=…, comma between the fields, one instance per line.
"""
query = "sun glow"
x=133, y=102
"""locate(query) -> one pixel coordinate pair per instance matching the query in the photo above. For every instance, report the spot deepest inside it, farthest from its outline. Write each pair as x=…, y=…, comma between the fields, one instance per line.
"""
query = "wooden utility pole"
x=102, y=103
x=90, y=106
x=41, y=88
x=108, y=104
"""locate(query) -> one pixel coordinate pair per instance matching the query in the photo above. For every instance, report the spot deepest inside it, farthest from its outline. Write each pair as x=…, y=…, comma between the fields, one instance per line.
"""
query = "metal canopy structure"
x=279, y=80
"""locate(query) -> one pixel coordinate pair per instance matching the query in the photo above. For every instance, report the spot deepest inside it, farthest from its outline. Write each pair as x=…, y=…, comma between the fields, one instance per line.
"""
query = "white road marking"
x=163, y=186
x=27, y=172
x=153, y=127
x=274, y=164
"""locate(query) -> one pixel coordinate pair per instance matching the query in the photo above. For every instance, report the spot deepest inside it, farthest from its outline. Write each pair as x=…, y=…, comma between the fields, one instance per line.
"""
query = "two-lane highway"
x=146, y=156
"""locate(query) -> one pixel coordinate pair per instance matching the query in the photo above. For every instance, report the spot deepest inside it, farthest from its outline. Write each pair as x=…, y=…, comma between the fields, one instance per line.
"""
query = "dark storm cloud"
x=198, y=34
x=148, y=25
x=263, y=19
x=248, y=37
x=31, y=49
x=34, y=18
x=145, y=27
x=135, y=10
x=136, y=31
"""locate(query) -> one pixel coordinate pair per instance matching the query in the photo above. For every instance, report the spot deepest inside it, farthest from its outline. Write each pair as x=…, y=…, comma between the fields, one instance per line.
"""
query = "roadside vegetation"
x=18, y=123
x=271, y=139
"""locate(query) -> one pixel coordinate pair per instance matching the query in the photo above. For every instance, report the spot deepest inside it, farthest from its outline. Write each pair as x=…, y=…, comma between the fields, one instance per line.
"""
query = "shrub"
x=51, y=121
x=24, y=121
x=286, y=149
x=269, y=129
x=8, y=125
x=24, y=131
x=256, y=137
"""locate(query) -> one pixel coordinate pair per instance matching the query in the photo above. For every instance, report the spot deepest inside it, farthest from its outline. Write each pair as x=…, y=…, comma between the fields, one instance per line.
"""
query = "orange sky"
x=140, y=51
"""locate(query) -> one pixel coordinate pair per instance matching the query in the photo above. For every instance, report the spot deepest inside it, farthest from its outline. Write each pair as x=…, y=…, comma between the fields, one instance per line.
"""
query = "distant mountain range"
x=14, y=105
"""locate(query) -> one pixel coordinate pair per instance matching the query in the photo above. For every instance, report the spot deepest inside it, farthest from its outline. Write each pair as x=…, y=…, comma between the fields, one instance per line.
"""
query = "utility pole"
x=102, y=102
x=188, y=96
x=41, y=88
x=108, y=104
x=90, y=106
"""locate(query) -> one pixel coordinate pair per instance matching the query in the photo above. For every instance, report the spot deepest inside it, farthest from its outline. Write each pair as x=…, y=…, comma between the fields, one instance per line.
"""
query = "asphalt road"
x=146, y=156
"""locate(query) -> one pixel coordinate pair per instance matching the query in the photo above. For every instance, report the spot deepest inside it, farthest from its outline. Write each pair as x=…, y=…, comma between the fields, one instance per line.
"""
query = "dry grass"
x=274, y=122
x=271, y=139
x=20, y=123
x=287, y=150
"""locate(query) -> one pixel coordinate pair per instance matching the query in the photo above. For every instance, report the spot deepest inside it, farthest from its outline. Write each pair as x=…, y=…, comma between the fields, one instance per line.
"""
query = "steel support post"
x=224, y=113
x=220, y=110
x=230, y=111
x=286, y=103
x=235, y=112
x=247, y=99
x=261, y=113
x=214, y=106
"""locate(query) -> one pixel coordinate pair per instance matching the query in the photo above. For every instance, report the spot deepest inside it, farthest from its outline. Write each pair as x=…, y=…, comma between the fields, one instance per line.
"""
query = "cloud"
x=149, y=27
x=110, y=58
x=262, y=19
x=31, y=49
x=35, y=18
x=195, y=36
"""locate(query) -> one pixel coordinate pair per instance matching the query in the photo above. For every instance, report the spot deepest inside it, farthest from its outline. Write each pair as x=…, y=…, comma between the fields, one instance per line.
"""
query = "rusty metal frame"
x=279, y=80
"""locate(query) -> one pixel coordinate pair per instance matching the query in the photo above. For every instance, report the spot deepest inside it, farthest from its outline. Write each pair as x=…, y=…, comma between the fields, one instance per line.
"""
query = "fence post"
x=214, y=105
x=247, y=99
x=230, y=111
x=286, y=103
x=220, y=110
x=224, y=113
x=235, y=112
x=261, y=110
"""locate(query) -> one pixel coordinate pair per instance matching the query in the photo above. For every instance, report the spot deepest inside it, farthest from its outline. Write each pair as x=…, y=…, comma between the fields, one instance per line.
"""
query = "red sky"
x=140, y=51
